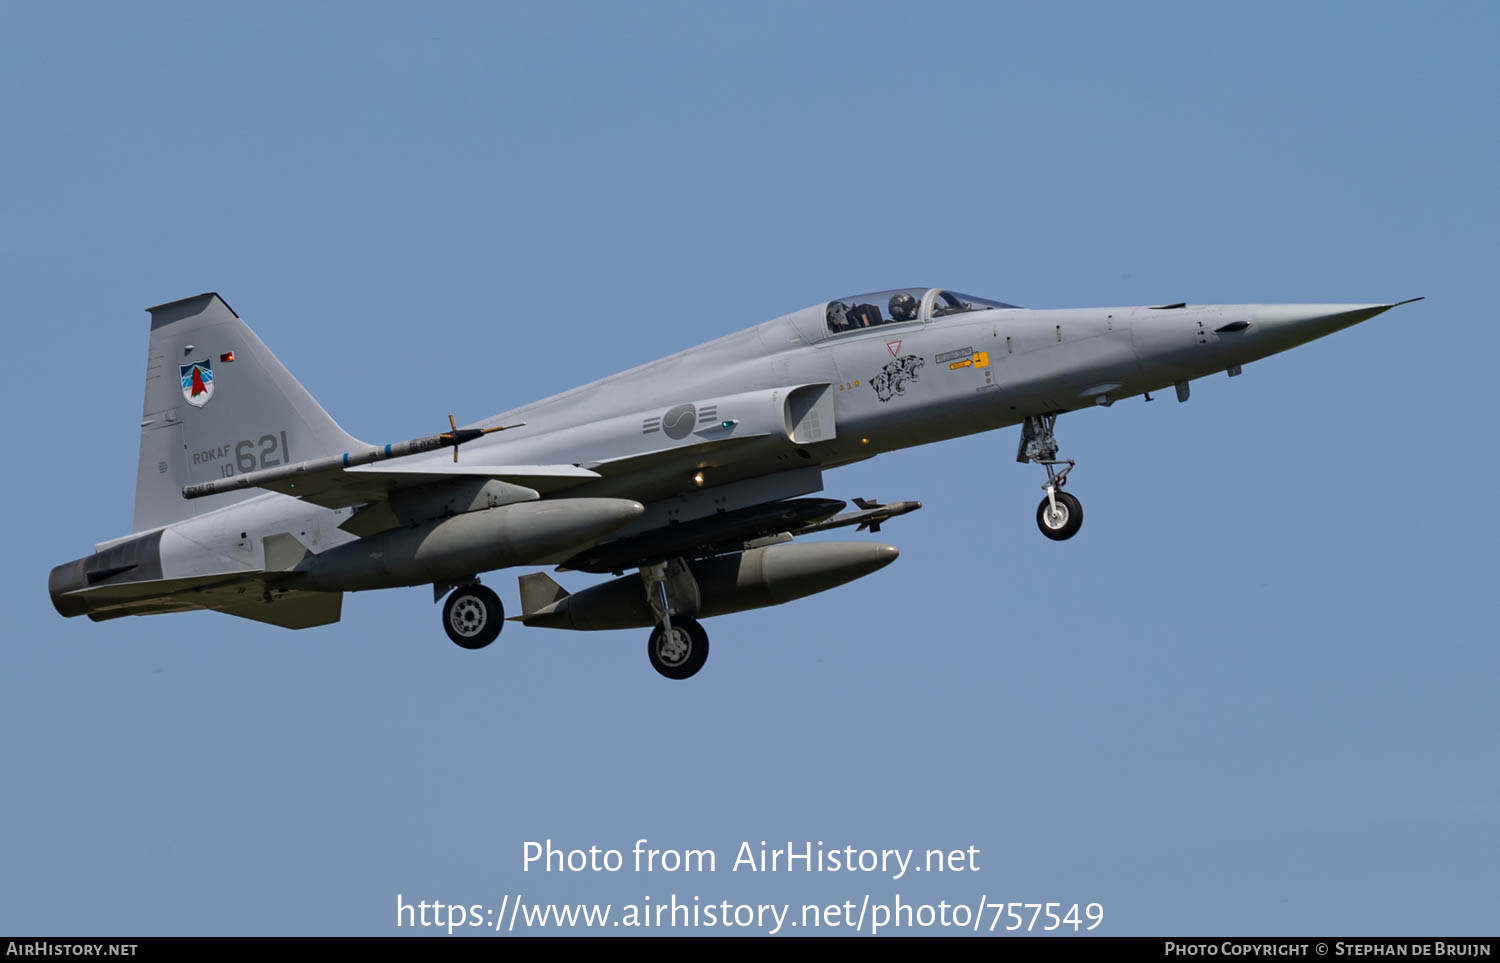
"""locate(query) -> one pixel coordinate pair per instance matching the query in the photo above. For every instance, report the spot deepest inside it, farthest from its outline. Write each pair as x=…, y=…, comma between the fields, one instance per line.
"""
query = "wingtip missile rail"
x=416, y=446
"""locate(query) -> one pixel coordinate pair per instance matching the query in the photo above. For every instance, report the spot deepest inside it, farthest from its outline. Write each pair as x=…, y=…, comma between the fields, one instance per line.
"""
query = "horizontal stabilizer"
x=248, y=595
x=144, y=595
x=291, y=610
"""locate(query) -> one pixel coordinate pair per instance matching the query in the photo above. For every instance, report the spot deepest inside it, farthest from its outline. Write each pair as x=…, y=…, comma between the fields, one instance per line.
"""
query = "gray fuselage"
x=749, y=419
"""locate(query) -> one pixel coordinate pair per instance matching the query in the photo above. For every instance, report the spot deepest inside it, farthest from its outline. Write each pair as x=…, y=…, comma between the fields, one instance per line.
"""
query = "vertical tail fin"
x=218, y=403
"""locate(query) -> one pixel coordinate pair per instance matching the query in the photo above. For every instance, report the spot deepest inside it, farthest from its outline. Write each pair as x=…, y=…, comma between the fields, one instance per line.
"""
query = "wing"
x=350, y=478
x=361, y=484
x=390, y=492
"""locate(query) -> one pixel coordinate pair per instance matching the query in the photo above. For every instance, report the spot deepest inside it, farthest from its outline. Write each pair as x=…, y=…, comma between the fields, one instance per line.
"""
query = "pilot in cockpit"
x=838, y=317
x=903, y=307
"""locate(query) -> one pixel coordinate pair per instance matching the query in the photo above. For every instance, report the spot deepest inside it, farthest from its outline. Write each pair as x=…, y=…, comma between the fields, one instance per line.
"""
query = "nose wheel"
x=1060, y=515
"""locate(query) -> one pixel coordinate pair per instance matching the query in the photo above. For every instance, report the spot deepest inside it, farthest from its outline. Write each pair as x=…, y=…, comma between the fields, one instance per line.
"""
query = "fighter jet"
x=691, y=479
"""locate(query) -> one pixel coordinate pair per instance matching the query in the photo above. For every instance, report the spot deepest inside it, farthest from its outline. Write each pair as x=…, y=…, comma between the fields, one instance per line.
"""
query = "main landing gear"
x=473, y=616
x=679, y=651
x=678, y=646
x=1060, y=515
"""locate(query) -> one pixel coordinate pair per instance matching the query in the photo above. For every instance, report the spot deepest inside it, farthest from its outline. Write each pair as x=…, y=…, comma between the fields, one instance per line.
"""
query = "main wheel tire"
x=473, y=616
x=1065, y=522
x=681, y=656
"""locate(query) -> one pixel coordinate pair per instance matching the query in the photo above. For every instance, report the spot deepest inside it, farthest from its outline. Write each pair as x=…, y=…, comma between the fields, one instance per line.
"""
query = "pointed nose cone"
x=1294, y=324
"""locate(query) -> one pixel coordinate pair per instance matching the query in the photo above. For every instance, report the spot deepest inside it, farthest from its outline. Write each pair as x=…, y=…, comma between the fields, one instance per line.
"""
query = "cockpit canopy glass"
x=951, y=302
x=871, y=310
x=902, y=304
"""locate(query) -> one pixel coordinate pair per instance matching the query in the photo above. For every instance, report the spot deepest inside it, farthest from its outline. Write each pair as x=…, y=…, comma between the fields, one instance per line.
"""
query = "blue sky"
x=1255, y=695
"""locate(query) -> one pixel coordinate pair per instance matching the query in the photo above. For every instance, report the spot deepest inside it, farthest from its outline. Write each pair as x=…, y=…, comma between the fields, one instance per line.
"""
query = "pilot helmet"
x=903, y=307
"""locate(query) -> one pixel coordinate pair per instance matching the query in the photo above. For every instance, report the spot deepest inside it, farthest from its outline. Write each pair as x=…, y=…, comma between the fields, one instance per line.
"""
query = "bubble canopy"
x=900, y=305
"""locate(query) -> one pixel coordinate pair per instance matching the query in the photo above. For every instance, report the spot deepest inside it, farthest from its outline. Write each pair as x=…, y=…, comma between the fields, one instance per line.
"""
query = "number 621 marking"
x=263, y=452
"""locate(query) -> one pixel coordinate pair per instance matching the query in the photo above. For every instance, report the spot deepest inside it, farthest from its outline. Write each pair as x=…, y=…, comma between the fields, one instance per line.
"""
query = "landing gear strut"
x=1060, y=515
x=473, y=616
x=678, y=646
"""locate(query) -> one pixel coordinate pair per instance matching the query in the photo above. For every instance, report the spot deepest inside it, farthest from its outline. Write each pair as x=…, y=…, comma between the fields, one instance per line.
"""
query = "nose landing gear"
x=1060, y=515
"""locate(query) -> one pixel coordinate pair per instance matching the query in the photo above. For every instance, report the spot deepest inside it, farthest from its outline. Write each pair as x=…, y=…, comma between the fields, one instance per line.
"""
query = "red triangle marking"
x=893, y=347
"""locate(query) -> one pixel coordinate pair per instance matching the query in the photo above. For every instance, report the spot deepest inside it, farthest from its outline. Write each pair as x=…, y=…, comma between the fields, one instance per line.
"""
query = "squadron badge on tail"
x=197, y=382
